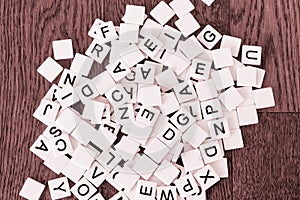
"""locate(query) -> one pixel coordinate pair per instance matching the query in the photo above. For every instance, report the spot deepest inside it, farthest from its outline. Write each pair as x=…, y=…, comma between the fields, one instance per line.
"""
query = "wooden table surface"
x=267, y=168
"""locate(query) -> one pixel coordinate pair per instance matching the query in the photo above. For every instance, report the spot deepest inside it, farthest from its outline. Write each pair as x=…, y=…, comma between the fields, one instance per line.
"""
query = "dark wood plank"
x=268, y=166
x=274, y=25
x=28, y=29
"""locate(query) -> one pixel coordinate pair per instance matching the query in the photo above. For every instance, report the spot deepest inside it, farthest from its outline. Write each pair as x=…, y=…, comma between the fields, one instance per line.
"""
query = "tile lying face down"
x=50, y=69
x=32, y=189
x=62, y=49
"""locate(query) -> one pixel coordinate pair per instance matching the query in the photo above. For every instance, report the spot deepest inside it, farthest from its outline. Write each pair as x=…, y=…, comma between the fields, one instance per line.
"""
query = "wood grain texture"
x=274, y=25
x=28, y=28
x=268, y=166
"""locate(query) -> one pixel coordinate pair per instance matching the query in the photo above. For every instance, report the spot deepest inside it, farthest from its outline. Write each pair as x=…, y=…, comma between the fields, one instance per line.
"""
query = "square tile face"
x=234, y=67
x=132, y=55
x=221, y=167
x=47, y=111
x=222, y=79
x=144, y=166
x=145, y=190
x=96, y=174
x=167, y=172
x=59, y=188
x=177, y=62
x=194, y=108
x=182, y=119
x=190, y=47
x=117, y=95
x=106, y=32
x=195, y=135
x=186, y=185
x=169, y=36
x=192, y=160
x=73, y=172
x=83, y=189
x=134, y=14
x=118, y=69
x=145, y=74
x=187, y=24
x=211, y=151
x=117, y=48
x=200, y=69
x=139, y=132
x=218, y=128
x=232, y=119
x=162, y=13
x=84, y=132
x=32, y=189
x=156, y=150
x=163, y=55
x=206, y=90
x=166, y=191
x=150, y=45
x=207, y=177
x=125, y=177
x=67, y=97
x=166, y=79
x=68, y=120
x=151, y=27
x=124, y=114
x=81, y=64
x=129, y=33
x=97, y=51
x=263, y=98
x=211, y=109
x=109, y=159
x=150, y=95
x=50, y=69
x=233, y=43
x=56, y=164
x=251, y=55
x=127, y=148
x=234, y=141
x=209, y=37
x=93, y=111
x=147, y=115
x=92, y=32
x=169, y=103
x=184, y=91
x=247, y=94
x=103, y=82
x=41, y=147
x=231, y=98
x=222, y=58
x=69, y=78
x=246, y=76
x=61, y=145
x=62, y=49
x=247, y=115
x=82, y=157
x=182, y=8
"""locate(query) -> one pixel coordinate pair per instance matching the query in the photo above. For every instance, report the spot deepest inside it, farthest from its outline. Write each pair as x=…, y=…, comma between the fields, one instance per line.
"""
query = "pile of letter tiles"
x=156, y=122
